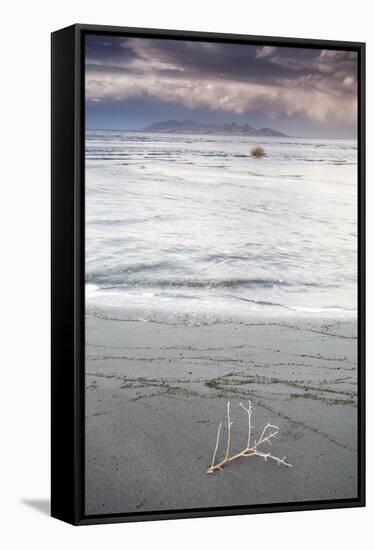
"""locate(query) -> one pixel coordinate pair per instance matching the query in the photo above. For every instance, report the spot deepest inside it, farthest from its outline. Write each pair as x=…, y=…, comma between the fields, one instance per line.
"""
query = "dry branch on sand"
x=267, y=434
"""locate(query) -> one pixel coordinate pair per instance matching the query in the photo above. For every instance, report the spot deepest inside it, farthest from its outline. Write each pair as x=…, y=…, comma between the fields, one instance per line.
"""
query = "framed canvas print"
x=207, y=274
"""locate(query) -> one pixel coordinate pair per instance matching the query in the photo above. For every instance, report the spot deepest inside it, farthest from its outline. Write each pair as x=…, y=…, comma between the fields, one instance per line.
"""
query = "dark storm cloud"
x=104, y=49
x=317, y=84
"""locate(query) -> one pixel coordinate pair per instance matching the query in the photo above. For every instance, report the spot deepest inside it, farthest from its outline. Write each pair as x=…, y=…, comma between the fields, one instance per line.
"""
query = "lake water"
x=192, y=228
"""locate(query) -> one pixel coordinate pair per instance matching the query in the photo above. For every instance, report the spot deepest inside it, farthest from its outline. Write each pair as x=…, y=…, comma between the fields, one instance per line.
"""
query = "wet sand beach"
x=156, y=392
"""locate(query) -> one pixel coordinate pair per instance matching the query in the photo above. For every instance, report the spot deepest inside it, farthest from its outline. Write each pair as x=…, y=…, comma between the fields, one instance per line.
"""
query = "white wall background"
x=25, y=257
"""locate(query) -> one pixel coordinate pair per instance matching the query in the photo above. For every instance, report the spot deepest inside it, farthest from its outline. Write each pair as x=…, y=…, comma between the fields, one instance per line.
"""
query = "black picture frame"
x=68, y=306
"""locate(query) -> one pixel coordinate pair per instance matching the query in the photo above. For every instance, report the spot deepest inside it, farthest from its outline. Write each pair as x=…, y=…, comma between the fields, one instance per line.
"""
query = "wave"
x=128, y=220
x=287, y=176
x=125, y=280
x=260, y=302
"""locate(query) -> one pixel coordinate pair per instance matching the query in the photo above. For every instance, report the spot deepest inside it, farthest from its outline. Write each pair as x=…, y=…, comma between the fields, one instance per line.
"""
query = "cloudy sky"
x=131, y=82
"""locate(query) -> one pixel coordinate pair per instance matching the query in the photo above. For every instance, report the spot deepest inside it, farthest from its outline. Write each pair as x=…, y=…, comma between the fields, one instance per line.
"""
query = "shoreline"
x=156, y=392
x=184, y=317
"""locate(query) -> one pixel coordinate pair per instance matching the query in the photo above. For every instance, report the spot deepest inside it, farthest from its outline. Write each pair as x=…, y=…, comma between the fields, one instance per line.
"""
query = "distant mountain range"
x=192, y=127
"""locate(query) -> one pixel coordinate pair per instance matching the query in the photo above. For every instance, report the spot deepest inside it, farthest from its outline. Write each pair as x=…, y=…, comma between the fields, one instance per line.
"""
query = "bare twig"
x=264, y=439
x=228, y=431
x=215, y=450
x=268, y=432
x=249, y=412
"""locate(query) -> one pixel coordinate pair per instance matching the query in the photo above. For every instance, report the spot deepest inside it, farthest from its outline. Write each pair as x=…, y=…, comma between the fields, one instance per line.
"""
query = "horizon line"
x=191, y=133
